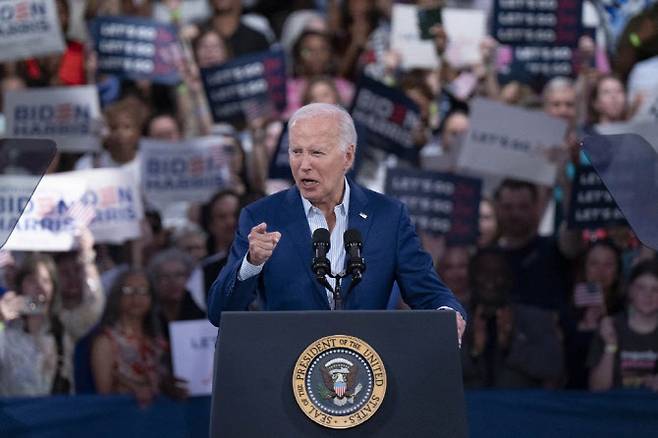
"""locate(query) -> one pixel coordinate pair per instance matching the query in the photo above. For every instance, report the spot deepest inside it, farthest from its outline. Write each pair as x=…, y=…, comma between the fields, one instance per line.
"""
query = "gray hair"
x=346, y=129
x=168, y=255
x=186, y=230
x=555, y=84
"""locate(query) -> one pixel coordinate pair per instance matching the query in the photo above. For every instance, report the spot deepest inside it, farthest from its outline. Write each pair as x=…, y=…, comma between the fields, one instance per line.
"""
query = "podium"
x=274, y=370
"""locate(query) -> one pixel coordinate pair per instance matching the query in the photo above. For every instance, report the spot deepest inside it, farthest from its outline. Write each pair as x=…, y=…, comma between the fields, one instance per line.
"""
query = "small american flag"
x=218, y=153
x=588, y=295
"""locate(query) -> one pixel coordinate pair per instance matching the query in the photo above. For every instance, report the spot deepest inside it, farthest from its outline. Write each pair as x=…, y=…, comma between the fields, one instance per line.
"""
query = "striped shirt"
x=316, y=220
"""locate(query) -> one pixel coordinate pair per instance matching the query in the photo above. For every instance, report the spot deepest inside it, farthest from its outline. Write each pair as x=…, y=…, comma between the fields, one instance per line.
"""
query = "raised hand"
x=261, y=244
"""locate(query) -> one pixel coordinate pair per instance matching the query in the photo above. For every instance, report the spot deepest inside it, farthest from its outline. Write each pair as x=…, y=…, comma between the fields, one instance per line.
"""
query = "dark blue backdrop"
x=491, y=414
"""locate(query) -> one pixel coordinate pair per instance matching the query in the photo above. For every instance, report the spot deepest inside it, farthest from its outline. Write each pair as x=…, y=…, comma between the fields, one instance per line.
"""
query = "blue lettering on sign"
x=59, y=113
x=15, y=205
x=203, y=343
x=10, y=12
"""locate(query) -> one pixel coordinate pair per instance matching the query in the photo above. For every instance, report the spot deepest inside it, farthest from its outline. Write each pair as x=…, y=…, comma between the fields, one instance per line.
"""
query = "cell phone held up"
x=426, y=19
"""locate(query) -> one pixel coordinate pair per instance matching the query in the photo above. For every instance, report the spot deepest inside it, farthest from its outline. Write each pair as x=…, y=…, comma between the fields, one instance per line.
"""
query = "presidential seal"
x=339, y=381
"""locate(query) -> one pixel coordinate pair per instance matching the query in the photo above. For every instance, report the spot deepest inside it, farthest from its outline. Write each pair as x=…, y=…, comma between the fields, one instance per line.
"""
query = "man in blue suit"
x=272, y=250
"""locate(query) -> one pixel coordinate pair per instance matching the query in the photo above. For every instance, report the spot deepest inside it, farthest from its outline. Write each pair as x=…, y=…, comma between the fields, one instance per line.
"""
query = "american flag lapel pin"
x=363, y=215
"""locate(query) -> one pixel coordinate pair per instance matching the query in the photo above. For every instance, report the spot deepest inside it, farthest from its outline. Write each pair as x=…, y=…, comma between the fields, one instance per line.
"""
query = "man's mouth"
x=308, y=183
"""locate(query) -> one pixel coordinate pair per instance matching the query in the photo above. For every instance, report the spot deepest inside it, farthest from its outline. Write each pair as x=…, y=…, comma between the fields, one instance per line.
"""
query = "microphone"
x=356, y=265
x=320, y=264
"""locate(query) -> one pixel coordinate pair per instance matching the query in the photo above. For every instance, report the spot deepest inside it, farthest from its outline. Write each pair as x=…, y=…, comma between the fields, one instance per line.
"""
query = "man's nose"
x=305, y=164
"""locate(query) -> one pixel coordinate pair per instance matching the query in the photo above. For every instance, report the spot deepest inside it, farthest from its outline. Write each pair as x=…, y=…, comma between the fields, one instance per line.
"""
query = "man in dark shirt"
x=240, y=38
x=539, y=265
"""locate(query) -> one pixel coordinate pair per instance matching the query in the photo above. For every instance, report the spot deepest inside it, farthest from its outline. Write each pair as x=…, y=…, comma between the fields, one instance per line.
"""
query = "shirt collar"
x=343, y=207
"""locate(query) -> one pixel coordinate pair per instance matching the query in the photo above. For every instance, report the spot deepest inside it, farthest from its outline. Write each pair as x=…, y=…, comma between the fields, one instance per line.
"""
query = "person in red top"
x=66, y=69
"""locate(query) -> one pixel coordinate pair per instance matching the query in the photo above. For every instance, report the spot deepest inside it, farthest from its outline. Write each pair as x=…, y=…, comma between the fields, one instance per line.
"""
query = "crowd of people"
x=95, y=319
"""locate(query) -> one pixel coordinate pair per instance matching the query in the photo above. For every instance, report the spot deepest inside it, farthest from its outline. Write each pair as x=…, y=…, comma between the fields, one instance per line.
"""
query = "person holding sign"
x=272, y=250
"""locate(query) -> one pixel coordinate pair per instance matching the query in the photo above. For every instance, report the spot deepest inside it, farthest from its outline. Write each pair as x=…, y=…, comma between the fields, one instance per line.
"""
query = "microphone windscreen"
x=352, y=236
x=321, y=235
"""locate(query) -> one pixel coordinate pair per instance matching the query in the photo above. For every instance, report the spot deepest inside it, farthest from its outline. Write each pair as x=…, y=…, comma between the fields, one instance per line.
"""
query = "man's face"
x=317, y=161
x=561, y=103
x=516, y=211
x=223, y=6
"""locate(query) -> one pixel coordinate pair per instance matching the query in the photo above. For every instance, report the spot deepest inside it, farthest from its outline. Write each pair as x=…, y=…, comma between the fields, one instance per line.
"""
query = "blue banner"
x=439, y=203
x=246, y=87
x=542, y=35
x=592, y=205
x=388, y=116
x=136, y=48
x=279, y=165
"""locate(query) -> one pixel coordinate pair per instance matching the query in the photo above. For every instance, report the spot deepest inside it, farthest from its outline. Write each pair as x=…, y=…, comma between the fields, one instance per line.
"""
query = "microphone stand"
x=338, y=300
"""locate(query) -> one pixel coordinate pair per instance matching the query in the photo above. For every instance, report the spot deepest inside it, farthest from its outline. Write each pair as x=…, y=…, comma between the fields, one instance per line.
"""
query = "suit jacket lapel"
x=298, y=231
x=359, y=218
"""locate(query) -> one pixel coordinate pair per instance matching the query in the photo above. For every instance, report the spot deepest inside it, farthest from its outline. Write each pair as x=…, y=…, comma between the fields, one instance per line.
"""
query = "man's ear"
x=349, y=156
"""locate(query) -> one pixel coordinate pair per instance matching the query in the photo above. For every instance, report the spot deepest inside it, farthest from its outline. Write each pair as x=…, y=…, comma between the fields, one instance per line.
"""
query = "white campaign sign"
x=115, y=195
x=191, y=170
x=192, y=352
x=466, y=28
x=29, y=28
x=70, y=116
x=47, y=223
x=405, y=39
x=109, y=197
x=511, y=142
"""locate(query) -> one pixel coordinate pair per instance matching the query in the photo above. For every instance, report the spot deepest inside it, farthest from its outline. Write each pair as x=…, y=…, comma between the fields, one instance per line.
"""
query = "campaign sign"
x=591, y=205
x=406, y=39
x=388, y=116
x=29, y=28
x=136, y=48
x=192, y=353
x=48, y=222
x=190, y=170
x=438, y=203
x=70, y=116
x=511, y=142
x=542, y=34
x=279, y=165
x=246, y=87
x=115, y=196
x=466, y=28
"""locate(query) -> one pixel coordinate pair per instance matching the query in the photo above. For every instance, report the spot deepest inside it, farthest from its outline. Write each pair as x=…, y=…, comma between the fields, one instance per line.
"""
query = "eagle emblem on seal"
x=340, y=380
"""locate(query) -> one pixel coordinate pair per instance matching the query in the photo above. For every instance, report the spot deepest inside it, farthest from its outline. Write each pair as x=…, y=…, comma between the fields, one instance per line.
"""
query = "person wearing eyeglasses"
x=128, y=354
x=168, y=272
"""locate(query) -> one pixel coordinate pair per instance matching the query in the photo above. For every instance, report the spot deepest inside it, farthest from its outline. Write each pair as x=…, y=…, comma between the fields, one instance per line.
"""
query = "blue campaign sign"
x=388, y=117
x=542, y=35
x=279, y=166
x=246, y=87
x=137, y=48
x=439, y=203
x=592, y=205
